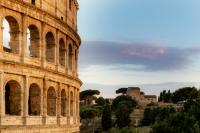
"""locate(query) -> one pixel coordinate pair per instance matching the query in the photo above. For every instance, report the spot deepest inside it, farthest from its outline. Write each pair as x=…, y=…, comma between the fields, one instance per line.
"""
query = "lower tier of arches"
x=31, y=96
x=40, y=129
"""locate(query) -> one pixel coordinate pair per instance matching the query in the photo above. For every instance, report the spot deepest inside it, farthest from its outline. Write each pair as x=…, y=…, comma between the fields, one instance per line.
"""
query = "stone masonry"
x=39, y=84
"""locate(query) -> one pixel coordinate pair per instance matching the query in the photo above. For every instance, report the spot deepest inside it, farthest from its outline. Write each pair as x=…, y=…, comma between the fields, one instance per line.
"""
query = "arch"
x=33, y=2
x=71, y=104
x=51, y=102
x=50, y=47
x=76, y=60
x=70, y=4
x=34, y=101
x=33, y=42
x=63, y=102
x=11, y=35
x=70, y=56
x=62, y=52
x=13, y=98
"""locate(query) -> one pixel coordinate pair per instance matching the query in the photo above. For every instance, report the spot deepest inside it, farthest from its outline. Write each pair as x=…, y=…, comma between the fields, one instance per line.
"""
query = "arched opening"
x=63, y=102
x=62, y=52
x=13, y=98
x=71, y=104
x=33, y=42
x=70, y=55
x=11, y=35
x=70, y=4
x=33, y=2
x=51, y=102
x=50, y=47
x=34, y=101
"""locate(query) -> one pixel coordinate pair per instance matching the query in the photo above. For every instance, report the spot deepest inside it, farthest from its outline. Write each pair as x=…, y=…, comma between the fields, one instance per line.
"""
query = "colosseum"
x=39, y=83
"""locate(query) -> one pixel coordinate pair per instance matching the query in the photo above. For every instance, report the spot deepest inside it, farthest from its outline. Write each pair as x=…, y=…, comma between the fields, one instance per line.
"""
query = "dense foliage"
x=123, y=130
x=123, y=114
x=100, y=101
x=123, y=106
x=88, y=96
x=185, y=94
x=185, y=121
x=165, y=96
x=151, y=115
x=121, y=90
x=181, y=94
x=90, y=112
x=121, y=98
x=106, y=120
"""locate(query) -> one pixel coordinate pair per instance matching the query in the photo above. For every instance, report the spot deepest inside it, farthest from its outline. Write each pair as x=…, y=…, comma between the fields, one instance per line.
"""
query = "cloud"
x=149, y=56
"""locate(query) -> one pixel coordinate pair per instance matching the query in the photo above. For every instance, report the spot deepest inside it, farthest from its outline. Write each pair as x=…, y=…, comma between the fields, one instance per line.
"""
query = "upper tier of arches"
x=40, y=42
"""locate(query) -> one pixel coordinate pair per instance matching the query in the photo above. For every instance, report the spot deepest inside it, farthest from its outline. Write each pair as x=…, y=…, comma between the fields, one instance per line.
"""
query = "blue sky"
x=151, y=44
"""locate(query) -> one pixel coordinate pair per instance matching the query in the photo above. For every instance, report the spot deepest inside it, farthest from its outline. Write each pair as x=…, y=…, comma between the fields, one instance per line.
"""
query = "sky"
x=152, y=44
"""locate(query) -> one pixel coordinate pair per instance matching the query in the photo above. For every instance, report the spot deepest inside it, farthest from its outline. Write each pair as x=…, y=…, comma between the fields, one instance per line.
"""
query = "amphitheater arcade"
x=38, y=74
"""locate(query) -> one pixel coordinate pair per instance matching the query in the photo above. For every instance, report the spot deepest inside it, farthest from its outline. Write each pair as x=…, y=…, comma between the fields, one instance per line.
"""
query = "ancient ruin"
x=38, y=66
x=142, y=99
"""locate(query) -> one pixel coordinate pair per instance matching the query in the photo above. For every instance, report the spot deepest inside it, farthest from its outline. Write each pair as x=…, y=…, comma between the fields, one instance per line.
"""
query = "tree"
x=151, y=115
x=185, y=94
x=121, y=98
x=165, y=96
x=185, y=121
x=123, y=114
x=88, y=96
x=106, y=120
x=121, y=90
x=123, y=106
x=88, y=115
x=100, y=101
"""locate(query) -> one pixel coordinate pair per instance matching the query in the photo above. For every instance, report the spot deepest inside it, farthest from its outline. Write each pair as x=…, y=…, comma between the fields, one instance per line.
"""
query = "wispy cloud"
x=149, y=56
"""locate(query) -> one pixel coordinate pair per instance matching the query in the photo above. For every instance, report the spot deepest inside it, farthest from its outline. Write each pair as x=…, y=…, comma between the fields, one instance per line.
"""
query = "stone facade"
x=38, y=75
x=140, y=96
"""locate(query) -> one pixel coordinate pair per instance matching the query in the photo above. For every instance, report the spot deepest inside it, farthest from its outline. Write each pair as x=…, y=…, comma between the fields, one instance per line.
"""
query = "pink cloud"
x=149, y=52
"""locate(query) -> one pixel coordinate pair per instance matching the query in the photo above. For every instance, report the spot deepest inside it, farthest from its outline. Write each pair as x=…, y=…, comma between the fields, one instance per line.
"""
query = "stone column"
x=57, y=50
x=56, y=6
x=41, y=4
x=67, y=56
x=74, y=116
x=78, y=105
x=25, y=98
x=44, y=100
x=23, y=43
x=58, y=103
x=68, y=105
x=40, y=43
x=1, y=32
x=2, y=92
x=73, y=60
x=75, y=19
x=77, y=51
x=43, y=45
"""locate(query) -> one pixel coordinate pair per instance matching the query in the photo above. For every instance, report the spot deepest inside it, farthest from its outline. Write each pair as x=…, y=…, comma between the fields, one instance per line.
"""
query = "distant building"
x=140, y=96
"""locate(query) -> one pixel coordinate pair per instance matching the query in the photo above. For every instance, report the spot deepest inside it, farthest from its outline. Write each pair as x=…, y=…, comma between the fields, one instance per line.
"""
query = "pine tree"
x=106, y=120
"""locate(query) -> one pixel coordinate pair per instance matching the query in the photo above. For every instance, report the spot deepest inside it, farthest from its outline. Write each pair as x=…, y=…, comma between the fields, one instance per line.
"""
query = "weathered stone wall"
x=39, y=89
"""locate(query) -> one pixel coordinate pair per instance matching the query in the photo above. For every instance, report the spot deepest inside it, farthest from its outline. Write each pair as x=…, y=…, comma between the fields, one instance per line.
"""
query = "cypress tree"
x=106, y=120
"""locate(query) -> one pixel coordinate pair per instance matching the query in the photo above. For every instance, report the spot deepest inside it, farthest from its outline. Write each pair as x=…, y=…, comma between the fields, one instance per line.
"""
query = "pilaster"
x=2, y=92
x=56, y=57
x=25, y=97
x=58, y=103
x=44, y=100
x=67, y=56
x=1, y=32
x=43, y=47
x=23, y=47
